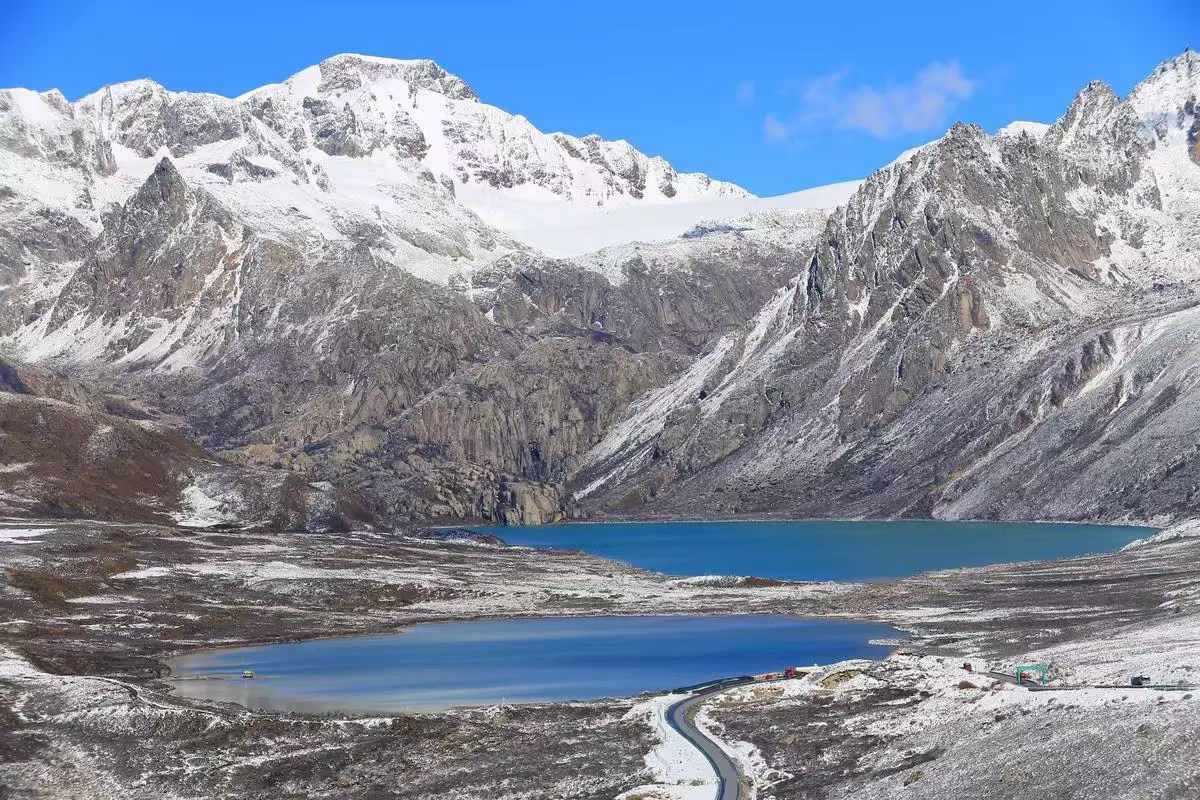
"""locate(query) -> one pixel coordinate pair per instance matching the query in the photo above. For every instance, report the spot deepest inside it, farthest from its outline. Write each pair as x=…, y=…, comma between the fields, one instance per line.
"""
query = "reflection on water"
x=436, y=666
x=824, y=550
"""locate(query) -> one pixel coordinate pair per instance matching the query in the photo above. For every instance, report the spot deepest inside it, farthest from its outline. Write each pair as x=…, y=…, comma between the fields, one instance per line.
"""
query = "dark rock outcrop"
x=976, y=322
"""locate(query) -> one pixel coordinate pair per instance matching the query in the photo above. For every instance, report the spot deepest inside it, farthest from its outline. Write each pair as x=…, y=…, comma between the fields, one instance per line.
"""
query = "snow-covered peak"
x=1168, y=97
x=1016, y=128
x=361, y=148
x=44, y=110
x=348, y=71
x=39, y=133
x=1170, y=84
x=138, y=86
x=1019, y=127
x=410, y=111
x=1089, y=111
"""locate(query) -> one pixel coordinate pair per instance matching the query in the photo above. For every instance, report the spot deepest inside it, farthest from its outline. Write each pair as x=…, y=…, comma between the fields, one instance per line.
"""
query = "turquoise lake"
x=821, y=550
x=439, y=665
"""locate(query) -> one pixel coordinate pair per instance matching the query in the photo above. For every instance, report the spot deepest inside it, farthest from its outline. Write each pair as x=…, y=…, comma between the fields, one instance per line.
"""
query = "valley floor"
x=89, y=612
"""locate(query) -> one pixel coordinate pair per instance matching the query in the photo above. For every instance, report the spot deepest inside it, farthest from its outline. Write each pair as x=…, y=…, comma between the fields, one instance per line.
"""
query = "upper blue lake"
x=439, y=665
x=824, y=550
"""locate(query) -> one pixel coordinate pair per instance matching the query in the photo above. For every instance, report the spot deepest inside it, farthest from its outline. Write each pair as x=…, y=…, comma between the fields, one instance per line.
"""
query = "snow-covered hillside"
x=398, y=154
x=560, y=229
x=337, y=279
x=985, y=315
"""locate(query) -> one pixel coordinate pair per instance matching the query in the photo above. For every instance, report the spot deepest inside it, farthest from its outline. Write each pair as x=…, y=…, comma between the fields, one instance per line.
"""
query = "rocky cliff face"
x=72, y=451
x=970, y=336
x=265, y=270
x=295, y=281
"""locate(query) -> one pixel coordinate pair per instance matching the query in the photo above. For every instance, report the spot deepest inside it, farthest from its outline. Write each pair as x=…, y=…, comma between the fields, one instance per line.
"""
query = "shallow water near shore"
x=820, y=550
x=436, y=666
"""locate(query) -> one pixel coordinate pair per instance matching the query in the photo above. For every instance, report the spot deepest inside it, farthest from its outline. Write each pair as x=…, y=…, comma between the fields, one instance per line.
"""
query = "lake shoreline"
x=824, y=550
x=98, y=653
x=765, y=643
x=479, y=522
x=679, y=578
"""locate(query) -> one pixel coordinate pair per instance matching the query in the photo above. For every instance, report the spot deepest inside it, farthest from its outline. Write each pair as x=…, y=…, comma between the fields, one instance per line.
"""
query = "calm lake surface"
x=435, y=666
x=824, y=550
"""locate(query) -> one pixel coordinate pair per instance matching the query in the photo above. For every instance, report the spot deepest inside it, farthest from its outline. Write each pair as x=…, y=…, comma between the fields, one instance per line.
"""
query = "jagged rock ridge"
x=985, y=310
x=991, y=327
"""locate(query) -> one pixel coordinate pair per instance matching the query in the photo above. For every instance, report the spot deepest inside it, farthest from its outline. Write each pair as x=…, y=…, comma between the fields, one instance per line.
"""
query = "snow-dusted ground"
x=201, y=510
x=872, y=729
x=950, y=696
x=680, y=771
x=11, y=535
x=137, y=593
x=106, y=739
x=1184, y=530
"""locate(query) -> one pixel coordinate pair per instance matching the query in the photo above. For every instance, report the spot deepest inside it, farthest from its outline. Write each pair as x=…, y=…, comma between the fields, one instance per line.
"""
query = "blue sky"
x=775, y=96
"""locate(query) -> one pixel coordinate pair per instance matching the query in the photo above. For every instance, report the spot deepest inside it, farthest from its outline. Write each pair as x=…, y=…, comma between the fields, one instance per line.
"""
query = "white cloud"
x=921, y=104
x=746, y=91
x=775, y=130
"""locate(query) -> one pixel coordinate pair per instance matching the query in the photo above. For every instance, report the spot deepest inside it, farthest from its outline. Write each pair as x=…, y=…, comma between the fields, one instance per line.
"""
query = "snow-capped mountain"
x=991, y=326
x=337, y=280
x=398, y=154
x=268, y=267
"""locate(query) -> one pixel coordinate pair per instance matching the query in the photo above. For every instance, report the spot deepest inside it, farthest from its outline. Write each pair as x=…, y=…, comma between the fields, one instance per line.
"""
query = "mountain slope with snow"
x=336, y=281
x=268, y=271
x=565, y=230
x=397, y=154
x=994, y=326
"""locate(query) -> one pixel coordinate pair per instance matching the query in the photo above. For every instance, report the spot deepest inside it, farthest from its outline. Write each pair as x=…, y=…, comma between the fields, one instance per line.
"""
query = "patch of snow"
x=746, y=755
x=13, y=665
x=680, y=770
x=707, y=580
x=147, y=572
x=200, y=510
x=103, y=599
x=1034, y=129
x=14, y=535
x=561, y=229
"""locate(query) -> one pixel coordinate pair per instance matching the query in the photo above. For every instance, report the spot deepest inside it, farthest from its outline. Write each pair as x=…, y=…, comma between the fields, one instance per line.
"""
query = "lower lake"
x=440, y=665
x=818, y=550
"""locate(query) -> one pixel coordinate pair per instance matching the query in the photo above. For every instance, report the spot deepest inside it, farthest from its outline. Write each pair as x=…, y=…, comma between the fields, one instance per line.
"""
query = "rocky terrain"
x=996, y=326
x=246, y=342
x=321, y=289
x=283, y=280
x=92, y=612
